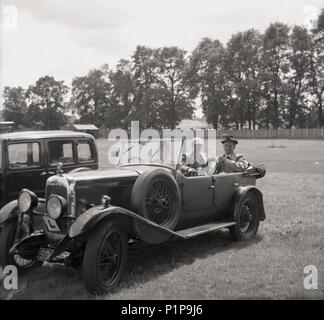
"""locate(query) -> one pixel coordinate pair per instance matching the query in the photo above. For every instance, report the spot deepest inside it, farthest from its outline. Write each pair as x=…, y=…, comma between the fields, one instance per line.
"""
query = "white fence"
x=259, y=134
x=275, y=133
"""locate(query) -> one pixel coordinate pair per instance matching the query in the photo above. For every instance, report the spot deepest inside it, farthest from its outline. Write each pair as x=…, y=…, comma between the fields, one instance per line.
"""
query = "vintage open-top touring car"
x=89, y=217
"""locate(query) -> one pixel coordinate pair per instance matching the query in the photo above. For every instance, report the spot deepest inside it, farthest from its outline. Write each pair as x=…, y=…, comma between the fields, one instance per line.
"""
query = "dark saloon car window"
x=85, y=153
x=60, y=151
x=35, y=152
x=21, y=155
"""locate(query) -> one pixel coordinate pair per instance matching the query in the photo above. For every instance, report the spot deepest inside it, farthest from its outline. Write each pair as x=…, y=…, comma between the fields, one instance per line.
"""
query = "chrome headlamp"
x=56, y=205
x=27, y=200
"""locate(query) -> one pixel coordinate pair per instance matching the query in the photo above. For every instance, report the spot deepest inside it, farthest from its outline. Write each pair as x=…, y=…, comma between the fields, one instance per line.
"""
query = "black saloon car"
x=28, y=159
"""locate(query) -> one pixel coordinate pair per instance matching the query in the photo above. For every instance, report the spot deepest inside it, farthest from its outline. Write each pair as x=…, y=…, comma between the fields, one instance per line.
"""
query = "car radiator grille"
x=57, y=190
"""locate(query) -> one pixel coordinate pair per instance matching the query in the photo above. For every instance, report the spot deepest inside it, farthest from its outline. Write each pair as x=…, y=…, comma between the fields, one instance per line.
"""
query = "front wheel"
x=10, y=234
x=246, y=217
x=105, y=258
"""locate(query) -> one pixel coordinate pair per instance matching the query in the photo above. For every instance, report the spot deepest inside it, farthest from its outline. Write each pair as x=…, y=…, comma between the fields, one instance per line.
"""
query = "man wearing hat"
x=194, y=161
x=230, y=162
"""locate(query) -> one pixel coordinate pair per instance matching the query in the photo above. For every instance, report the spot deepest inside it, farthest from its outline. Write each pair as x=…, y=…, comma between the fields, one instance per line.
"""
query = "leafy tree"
x=45, y=102
x=156, y=92
x=144, y=74
x=206, y=77
x=174, y=90
x=15, y=107
x=242, y=69
x=252, y=40
x=122, y=96
x=296, y=86
x=315, y=74
x=320, y=21
x=90, y=96
x=235, y=78
x=275, y=66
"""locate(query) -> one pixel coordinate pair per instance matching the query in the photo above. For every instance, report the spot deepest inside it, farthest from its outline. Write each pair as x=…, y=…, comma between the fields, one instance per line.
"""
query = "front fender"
x=11, y=210
x=90, y=218
x=241, y=191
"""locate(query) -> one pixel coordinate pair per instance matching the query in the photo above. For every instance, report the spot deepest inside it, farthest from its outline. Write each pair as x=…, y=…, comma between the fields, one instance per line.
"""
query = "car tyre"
x=246, y=217
x=156, y=197
x=106, y=247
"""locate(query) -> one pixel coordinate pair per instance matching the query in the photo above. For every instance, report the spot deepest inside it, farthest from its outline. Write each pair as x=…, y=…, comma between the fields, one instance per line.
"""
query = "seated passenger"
x=196, y=160
x=230, y=162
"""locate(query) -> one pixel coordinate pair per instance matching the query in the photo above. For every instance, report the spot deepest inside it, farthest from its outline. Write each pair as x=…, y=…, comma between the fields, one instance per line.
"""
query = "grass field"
x=212, y=266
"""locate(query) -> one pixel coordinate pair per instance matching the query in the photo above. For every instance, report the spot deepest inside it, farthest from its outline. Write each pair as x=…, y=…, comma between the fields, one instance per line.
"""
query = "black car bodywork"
x=28, y=159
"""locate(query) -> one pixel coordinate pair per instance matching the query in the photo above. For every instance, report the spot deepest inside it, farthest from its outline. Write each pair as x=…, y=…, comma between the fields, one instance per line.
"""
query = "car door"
x=24, y=168
x=225, y=188
x=197, y=192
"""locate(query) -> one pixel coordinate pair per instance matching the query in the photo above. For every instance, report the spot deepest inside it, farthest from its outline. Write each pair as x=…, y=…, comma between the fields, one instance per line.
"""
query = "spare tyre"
x=156, y=197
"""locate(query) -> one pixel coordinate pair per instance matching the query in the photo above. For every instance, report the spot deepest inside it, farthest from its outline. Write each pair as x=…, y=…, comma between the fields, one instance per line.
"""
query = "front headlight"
x=27, y=200
x=56, y=205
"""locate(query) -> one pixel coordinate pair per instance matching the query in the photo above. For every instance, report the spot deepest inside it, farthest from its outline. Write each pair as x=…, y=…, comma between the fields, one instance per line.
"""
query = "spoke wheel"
x=156, y=197
x=159, y=202
x=110, y=258
x=105, y=258
x=246, y=217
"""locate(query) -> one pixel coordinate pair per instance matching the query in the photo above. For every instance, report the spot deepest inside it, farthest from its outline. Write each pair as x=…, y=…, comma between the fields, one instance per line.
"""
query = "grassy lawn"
x=212, y=266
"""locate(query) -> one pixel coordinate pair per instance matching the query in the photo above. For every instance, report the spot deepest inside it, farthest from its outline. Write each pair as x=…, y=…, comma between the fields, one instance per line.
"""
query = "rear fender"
x=240, y=193
x=89, y=219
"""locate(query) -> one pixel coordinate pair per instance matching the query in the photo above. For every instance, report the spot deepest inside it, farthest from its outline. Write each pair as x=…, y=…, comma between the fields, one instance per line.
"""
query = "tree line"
x=258, y=80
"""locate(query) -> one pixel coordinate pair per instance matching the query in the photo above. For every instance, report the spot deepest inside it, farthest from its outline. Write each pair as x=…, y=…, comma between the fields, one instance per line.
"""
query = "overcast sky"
x=66, y=38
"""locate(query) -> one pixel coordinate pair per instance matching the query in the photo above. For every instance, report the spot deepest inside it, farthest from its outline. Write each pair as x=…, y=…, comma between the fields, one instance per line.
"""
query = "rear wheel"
x=105, y=258
x=246, y=217
x=10, y=234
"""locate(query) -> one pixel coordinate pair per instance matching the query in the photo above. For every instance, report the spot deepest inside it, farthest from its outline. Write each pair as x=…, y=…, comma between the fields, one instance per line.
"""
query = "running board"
x=205, y=228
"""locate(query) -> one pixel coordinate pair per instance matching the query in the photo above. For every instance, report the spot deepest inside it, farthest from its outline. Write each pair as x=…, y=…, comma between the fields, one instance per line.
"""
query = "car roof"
x=26, y=135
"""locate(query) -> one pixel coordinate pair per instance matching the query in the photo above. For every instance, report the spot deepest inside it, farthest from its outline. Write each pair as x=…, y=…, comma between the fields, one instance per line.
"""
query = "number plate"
x=44, y=254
